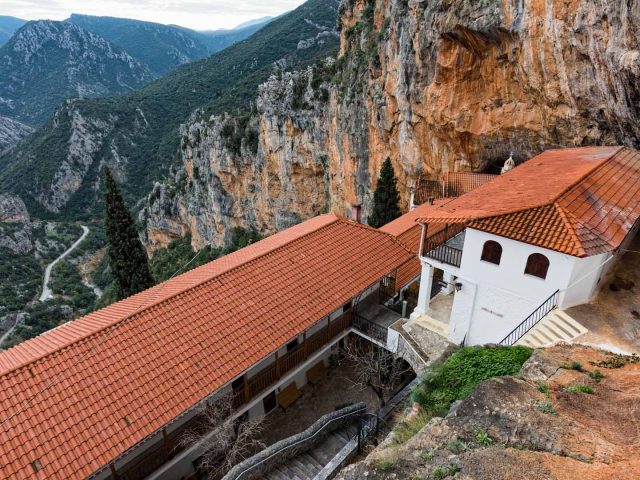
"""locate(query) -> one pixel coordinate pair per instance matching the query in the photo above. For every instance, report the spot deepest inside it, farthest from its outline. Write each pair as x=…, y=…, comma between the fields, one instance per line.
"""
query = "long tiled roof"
x=580, y=201
x=78, y=396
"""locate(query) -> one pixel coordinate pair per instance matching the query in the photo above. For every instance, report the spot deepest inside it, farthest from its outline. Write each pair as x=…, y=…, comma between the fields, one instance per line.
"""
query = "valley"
x=297, y=119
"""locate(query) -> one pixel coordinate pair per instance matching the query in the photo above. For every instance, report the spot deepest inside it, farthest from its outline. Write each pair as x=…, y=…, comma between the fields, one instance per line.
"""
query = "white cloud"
x=196, y=14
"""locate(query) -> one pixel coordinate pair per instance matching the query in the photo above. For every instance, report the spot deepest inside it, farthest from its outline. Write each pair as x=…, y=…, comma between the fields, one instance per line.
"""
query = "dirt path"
x=46, y=291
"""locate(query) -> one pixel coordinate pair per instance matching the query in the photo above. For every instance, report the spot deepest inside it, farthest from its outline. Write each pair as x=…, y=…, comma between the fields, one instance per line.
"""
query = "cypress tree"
x=385, y=198
x=127, y=256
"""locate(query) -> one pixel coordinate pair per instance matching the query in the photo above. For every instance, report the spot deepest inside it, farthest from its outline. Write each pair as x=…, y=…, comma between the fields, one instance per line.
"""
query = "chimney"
x=356, y=213
x=431, y=200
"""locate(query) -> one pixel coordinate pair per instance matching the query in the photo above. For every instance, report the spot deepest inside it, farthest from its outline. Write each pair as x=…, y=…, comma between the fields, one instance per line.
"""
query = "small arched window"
x=537, y=265
x=491, y=252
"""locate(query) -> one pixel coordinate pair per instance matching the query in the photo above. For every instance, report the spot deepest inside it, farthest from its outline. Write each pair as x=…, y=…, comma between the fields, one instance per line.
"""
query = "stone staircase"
x=308, y=464
x=557, y=326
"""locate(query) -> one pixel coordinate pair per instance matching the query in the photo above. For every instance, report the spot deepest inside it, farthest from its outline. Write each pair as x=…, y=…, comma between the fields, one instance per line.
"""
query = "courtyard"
x=613, y=318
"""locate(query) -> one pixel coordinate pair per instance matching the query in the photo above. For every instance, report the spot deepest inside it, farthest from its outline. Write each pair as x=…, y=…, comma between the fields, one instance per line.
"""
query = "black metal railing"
x=435, y=246
x=532, y=320
x=369, y=328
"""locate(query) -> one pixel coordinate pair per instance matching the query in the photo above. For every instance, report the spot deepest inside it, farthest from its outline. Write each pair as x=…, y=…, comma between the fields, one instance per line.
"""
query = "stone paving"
x=613, y=318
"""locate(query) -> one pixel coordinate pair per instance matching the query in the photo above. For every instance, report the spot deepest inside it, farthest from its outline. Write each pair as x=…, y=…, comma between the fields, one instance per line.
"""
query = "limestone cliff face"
x=434, y=85
x=265, y=171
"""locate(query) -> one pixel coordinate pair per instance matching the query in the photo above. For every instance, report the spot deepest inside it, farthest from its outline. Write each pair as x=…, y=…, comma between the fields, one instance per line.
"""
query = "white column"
x=449, y=279
x=424, y=296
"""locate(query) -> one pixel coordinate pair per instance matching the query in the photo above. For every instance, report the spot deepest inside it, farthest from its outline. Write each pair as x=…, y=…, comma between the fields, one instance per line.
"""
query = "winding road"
x=46, y=291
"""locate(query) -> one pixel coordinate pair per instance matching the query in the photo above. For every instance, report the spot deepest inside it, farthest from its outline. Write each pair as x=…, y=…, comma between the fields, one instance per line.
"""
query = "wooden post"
x=328, y=328
x=277, y=365
x=166, y=443
x=247, y=393
x=114, y=472
x=305, y=345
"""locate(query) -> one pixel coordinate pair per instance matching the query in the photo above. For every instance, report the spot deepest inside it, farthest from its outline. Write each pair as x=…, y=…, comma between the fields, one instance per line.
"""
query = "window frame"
x=534, y=271
x=493, y=243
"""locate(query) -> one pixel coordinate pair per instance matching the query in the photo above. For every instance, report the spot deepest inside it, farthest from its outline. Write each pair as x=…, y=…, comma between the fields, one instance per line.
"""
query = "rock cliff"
x=548, y=423
x=11, y=132
x=439, y=85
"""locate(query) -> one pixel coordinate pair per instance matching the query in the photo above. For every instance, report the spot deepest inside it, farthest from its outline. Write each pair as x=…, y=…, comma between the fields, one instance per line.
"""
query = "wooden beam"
x=277, y=365
x=247, y=393
x=114, y=472
x=305, y=344
x=166, y=442
x=328, y=328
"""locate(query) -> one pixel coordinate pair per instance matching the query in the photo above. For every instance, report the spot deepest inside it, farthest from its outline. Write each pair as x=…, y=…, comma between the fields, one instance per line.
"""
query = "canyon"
x=436, y=86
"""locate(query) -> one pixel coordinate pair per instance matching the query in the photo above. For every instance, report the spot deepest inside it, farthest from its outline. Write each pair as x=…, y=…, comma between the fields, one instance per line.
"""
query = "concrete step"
x=557, y=326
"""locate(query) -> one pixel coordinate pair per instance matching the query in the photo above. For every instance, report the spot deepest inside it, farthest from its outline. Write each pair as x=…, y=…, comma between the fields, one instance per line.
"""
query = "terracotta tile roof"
x=407, y=231
x=64, y=396
x=452, y=184
x=581, y=201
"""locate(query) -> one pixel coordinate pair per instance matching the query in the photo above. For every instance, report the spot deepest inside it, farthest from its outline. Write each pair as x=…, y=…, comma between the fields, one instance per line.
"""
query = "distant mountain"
x=255, y=22
x=11, y=132
x=56, y=171
x=163, y=47
x=217, y=40
x=46, y=62
x=8, y=26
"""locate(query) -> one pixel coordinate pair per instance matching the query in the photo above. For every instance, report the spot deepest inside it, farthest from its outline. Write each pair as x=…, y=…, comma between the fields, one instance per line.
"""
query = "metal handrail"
x=532, y=320
x=366, y=326
x=288, y=447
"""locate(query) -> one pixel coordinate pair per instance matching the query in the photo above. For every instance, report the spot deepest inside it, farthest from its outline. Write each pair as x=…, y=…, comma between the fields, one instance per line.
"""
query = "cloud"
x=197, y=14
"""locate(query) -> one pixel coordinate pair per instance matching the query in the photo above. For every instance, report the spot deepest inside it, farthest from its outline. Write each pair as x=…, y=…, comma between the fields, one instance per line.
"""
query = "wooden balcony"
x=446, y=245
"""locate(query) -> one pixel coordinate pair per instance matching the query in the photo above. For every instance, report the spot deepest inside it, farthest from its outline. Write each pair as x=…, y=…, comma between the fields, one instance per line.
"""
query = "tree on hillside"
x=127, y=256
x=385, y=198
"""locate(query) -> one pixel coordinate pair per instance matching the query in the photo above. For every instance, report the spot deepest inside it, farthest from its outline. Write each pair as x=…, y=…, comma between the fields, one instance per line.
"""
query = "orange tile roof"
x=64, y=395
x=580, y=201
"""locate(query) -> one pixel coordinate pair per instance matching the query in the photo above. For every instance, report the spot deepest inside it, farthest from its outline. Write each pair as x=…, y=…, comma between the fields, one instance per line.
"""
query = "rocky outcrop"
x=15, y=225
x=265, y=171
x=535, y=427
x=444, y=85
x=11, y=132
x=46, y=62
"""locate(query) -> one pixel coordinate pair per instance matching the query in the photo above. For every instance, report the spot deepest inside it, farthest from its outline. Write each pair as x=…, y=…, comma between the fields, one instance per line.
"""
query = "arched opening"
x=491, y=252
x=537, y=265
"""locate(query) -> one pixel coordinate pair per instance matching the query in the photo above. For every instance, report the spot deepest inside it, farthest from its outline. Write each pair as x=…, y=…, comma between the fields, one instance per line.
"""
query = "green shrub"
x=457, y=446
x=596, y=375
x=408, y=428
x=428, y=455
x=543, y=388
x=572, y=366
x=459, y=375
x=482, y=438
x=441, y=472
x=546, y=407
x=579, y=388
x=387, y=463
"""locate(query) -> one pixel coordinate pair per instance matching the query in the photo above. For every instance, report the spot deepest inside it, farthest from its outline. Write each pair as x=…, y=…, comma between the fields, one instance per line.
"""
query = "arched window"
x=492, y=252
x=537, y=265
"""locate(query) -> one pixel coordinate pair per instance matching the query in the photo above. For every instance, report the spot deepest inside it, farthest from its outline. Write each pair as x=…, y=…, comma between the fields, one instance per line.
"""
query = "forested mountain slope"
x=46, y=62
x=56, y=171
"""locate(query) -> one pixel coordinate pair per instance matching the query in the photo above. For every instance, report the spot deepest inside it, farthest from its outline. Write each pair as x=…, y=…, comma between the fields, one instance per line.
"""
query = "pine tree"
x=127, y=256
x=385, y=198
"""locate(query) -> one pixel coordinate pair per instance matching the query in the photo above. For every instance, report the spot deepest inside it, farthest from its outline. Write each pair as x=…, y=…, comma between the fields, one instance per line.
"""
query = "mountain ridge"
x=46, y=62
x=57, y=171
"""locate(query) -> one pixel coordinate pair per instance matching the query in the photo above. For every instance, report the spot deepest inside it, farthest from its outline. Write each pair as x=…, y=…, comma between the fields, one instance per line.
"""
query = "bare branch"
x=375, y=367
x=223, y=440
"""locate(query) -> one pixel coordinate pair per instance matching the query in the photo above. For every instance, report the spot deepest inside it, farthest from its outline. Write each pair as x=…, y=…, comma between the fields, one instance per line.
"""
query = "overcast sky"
x=196, y=14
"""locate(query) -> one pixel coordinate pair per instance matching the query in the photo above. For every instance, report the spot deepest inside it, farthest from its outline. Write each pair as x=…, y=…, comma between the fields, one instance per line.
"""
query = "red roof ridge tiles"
x=66, y=409
x=73, y=332
x=592, y=190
